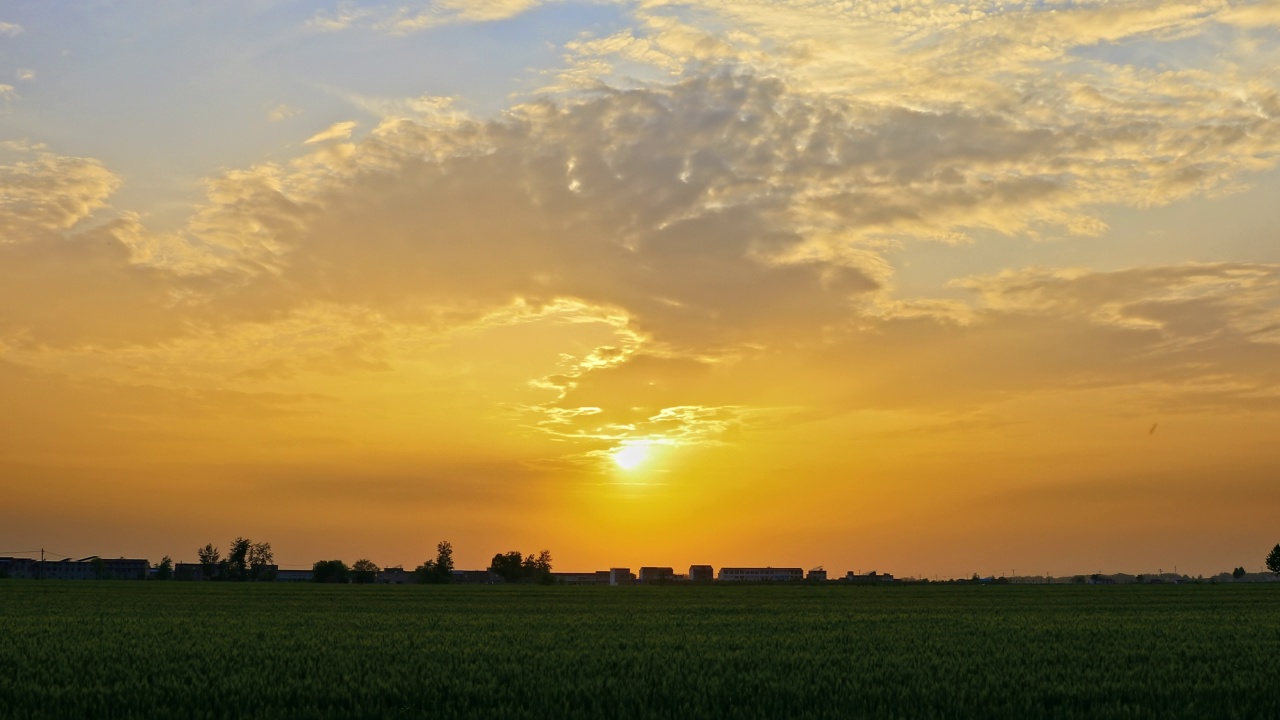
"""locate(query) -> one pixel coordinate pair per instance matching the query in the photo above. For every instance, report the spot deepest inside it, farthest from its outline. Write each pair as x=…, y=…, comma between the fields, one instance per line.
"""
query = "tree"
x=444, y=561
x=164, y=571
x=99, y=568
x=330, y=571
x=439, y=570
x=539, y=570
x=210, y=561
x=261, y=562
x=1237, y=573
x=364, y=572
x=237, y=562
x=1273, y=560
x=513, y=568
x=508, y=566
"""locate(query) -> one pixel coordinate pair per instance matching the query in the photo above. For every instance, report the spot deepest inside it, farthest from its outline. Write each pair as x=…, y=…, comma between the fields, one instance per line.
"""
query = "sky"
x=928, y=288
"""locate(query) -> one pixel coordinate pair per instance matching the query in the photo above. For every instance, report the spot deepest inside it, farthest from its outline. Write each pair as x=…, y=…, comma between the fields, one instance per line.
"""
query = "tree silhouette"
x=508, y=566
x=261, y=562
x=364, y=572
x=439, y=570
x=1273, y=560
x=1237, y=573
x=538, y=569
x=330, y=571
x=514, y=568
x=246, y=560
x=237, y=562
x=164, y=571
x=210, y=561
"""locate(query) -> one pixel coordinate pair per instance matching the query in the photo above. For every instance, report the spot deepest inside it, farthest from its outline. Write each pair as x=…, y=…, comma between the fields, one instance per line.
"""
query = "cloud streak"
x=415, y=17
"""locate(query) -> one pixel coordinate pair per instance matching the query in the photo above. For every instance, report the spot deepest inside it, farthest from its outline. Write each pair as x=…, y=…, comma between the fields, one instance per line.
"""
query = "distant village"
x=365, y=572
x=98, y=568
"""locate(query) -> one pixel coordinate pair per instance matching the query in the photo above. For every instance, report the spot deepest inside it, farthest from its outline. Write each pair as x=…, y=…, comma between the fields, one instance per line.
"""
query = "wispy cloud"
x=282, y=112
x=414, y=17
x=336, y=131
x=10, y=29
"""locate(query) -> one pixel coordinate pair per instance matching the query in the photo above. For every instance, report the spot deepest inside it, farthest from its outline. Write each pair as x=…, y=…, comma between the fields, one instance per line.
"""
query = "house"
x=621, y=576
x=701, y=573
x=656, y=574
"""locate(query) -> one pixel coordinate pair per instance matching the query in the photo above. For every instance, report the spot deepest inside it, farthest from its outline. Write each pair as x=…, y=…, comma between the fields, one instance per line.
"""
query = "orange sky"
x=933, y=290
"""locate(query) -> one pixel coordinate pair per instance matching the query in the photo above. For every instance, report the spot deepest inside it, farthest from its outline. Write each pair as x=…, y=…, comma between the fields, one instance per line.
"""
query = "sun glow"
x=629, y=457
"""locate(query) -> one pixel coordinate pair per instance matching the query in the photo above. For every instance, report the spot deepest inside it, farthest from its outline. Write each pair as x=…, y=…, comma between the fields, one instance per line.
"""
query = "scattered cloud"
x=727, y=222
x=282, y=112
x=25, y=74
x=336, y=131
x=10, y=29
x=417, y=16
x=45, y=192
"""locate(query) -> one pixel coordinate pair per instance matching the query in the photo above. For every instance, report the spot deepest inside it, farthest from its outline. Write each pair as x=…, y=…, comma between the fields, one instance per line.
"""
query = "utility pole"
x=40, y=569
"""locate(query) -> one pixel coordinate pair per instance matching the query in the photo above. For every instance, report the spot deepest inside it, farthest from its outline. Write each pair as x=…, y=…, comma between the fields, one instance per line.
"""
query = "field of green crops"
x=196, y=650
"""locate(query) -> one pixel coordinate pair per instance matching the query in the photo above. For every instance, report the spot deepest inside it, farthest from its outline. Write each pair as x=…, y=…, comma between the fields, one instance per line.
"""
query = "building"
x=599, y=577
x=764, y=574
x=701, y=573
x=621, y=576
x=90, y=568
x=871, y=577
x=188, y=571
x=294, y=576
x=15, y=567
x=475, y=577
x=395, y=576
x=656, y=574
x=817, y=575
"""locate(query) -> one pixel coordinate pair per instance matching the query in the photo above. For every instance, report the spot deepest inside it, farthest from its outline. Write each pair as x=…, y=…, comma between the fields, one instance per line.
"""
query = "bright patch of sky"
x=1235, y=228
x=168, y=95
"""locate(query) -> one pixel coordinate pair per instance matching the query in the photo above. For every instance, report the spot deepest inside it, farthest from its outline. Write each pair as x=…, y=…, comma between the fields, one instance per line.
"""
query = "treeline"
x=510, y=567
x=246, y=561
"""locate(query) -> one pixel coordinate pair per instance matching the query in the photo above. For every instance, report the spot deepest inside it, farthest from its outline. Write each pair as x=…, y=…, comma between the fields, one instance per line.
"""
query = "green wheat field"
x=204, y=650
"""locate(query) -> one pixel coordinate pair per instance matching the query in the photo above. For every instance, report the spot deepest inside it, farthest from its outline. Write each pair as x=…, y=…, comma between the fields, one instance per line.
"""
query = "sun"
x=629, y=457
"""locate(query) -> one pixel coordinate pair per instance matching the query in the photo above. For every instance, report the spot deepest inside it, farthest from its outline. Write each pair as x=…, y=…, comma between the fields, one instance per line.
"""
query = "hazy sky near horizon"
x=920, y=287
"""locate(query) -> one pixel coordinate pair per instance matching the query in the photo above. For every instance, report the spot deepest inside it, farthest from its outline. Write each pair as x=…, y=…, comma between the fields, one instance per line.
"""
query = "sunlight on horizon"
x=630, y=457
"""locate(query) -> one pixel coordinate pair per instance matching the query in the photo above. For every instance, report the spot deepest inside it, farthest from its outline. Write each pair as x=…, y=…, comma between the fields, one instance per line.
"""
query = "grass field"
x=190, y=650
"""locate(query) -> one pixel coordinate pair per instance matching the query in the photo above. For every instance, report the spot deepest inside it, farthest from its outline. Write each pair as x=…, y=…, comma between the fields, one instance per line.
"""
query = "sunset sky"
x=926, y=288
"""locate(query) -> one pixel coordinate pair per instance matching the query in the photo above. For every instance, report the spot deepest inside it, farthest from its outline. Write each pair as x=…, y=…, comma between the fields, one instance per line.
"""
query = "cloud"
x=405, y=19
x=46, y=192
x=25, y=74
x=282, y=112
x=728, y=223
x=1259, y=14
x=341, y=18
x=336, y=131
x=10, y=29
